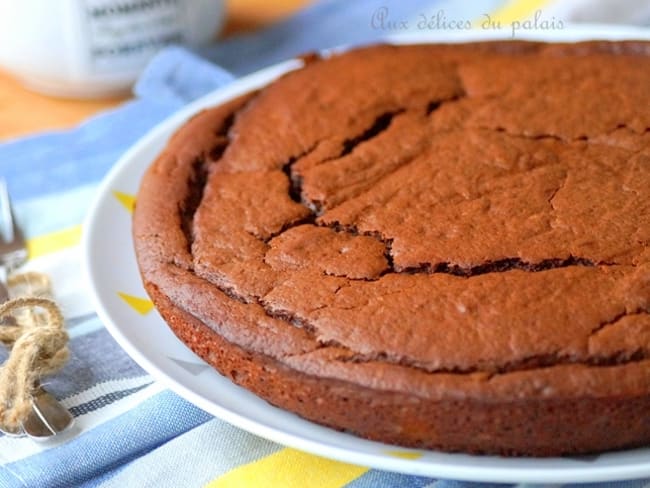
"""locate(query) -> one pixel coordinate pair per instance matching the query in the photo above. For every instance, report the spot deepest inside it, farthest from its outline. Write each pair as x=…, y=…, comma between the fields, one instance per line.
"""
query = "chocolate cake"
x=438, y=246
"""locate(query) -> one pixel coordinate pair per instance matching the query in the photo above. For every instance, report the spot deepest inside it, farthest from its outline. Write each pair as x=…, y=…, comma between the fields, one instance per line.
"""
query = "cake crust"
x=440, y=246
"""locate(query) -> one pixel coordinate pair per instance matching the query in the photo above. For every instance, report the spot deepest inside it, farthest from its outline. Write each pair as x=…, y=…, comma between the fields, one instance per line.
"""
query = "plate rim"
x=161, y=132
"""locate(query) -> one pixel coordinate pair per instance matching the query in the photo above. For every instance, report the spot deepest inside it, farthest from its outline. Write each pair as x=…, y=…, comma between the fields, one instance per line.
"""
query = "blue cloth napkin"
x=131, y=431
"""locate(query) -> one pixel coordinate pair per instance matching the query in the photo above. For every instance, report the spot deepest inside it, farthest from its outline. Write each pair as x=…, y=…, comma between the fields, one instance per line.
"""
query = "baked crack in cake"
x=437, y=246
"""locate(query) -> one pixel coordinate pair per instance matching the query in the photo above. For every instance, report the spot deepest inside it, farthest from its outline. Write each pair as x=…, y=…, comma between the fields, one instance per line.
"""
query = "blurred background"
x=47, y=112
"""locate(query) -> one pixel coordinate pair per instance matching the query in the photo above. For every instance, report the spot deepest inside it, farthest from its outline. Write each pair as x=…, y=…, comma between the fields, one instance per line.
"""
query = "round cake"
x=437, y=246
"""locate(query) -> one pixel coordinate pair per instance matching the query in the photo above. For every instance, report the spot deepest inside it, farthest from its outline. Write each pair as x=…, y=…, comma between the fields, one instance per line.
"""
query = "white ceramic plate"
x=122, y=304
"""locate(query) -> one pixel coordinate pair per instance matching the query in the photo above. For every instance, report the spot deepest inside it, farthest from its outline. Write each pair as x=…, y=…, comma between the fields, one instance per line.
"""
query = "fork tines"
x=13, y=251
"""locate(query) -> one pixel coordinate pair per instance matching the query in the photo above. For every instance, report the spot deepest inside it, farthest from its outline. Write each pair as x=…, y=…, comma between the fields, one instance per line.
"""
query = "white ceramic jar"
x=96, y=48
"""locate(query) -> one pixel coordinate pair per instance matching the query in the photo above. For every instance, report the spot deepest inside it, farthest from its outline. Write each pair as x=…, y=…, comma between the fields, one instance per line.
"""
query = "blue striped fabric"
x=95, y=358
x=386, y=479
x=111, y=444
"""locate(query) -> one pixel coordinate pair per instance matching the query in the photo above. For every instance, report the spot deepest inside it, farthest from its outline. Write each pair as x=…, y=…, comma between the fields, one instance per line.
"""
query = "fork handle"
x=4, y=293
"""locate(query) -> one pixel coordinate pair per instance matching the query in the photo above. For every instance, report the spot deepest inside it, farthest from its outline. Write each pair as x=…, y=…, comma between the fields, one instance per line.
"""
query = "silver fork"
x=13, y=251
x=48, y=417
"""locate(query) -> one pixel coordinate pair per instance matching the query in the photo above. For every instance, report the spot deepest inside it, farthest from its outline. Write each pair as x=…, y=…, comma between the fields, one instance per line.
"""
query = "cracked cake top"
x=473, y=214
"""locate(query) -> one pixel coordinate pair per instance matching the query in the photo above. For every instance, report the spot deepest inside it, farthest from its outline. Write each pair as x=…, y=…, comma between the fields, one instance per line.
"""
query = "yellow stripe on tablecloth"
x=518, y=10
x=290, y=468
x=61, y=239
x=54, y=241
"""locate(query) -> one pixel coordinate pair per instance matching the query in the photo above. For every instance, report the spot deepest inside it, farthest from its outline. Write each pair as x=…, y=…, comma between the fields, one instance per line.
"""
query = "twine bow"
x=37, y=343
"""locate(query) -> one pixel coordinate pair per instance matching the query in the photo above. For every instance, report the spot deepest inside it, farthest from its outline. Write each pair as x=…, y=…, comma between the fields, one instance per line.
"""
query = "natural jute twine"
x=38, y=346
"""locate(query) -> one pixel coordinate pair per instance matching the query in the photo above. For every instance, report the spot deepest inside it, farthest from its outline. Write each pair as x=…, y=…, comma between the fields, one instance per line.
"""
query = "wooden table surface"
x=23, y=112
